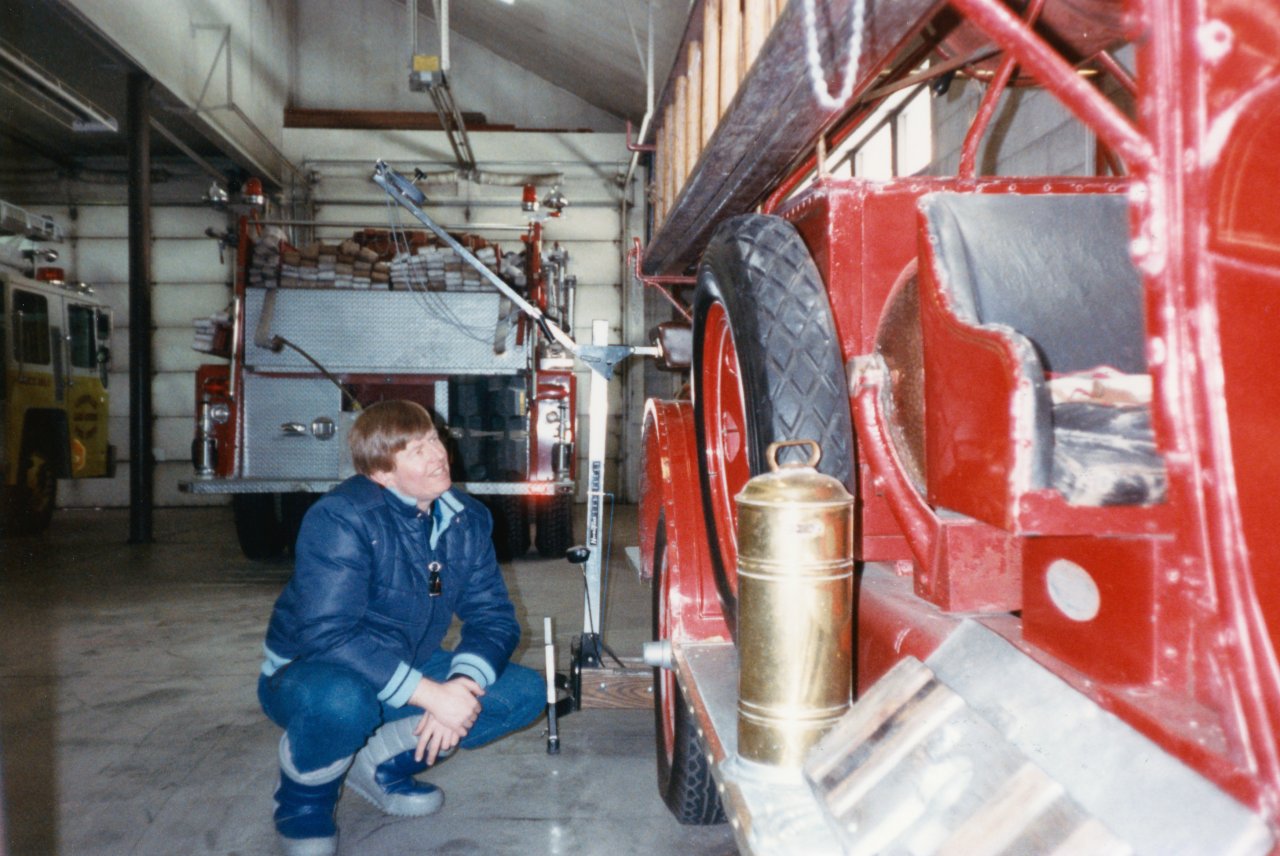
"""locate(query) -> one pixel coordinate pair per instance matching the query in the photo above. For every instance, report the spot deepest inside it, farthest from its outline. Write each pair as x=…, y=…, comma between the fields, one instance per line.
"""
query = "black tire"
x=293, y=507
x=553, y=520
x=33, y=498
x=685, y=782
x=259, y=524
x=758, y=270
x=510, y=526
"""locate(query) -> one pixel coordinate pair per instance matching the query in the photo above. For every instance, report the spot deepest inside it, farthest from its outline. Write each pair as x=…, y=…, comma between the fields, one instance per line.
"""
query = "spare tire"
x=767, y=366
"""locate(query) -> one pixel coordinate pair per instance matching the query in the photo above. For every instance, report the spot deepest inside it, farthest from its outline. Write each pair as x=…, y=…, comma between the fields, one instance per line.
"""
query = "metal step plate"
x=388, y=332
x=982, y=750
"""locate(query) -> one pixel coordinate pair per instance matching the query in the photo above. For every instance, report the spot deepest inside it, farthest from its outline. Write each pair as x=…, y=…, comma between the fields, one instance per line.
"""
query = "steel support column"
x=141, y=462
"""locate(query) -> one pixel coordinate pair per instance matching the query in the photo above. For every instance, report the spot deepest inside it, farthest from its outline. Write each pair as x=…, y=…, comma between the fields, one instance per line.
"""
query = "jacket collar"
x=443, y=510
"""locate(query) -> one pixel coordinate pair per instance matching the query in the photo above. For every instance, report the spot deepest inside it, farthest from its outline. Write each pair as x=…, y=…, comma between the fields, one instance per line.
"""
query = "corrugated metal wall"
x=190, y=281
x=1031, y=134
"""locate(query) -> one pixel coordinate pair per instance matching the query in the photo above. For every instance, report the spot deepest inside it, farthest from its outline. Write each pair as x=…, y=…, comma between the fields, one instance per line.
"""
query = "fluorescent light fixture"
x=42, y=90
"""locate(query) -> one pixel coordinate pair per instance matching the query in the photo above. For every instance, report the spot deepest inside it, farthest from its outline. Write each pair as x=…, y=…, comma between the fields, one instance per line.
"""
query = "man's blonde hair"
x=382, y=430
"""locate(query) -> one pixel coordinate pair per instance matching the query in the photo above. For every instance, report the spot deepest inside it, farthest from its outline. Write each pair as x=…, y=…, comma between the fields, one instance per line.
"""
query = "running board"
x=982, y=750
x=978, y=750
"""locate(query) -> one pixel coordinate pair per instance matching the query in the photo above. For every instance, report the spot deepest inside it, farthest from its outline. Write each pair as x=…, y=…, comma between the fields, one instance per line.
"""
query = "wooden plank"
x=680, y=127
x=693, y=105
x=653, y=191
x=755, y=26
x=670, y=166
x=659, y=170
x=655, y=176
x=730, y=51
x=614, y=688
x=710, y=69
x=774, y=123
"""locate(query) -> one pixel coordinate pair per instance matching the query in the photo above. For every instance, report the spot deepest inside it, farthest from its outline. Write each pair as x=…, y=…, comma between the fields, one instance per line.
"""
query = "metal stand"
x=588, y=650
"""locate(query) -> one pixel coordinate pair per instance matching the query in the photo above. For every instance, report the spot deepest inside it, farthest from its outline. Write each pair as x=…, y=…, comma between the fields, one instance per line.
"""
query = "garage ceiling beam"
x=378, y=120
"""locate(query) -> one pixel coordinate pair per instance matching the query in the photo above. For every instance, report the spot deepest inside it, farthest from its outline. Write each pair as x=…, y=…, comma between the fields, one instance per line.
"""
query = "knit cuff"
x=402, y=684
x=473, y=666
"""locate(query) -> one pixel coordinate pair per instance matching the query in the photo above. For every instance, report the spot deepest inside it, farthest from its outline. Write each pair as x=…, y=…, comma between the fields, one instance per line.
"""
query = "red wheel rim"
x=724, y=426
x=666, y=677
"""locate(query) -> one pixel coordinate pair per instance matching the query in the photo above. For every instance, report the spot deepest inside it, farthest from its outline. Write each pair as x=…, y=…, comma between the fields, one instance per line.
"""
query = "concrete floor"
x=129, y=723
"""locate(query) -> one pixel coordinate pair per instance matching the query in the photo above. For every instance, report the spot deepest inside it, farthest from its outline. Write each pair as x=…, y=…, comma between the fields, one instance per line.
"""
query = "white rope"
x=813, y=59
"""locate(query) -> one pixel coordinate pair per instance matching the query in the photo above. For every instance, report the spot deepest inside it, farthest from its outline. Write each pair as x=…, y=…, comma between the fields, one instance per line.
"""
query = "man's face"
x=421, y=470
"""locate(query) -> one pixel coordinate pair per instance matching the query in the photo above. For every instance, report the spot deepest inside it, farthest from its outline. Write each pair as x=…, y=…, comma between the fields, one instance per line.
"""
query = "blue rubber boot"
x=305, y=806
x=383, y=773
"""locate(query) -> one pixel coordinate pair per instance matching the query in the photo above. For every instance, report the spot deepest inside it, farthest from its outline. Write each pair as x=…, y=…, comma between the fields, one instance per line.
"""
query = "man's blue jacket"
x=360, y=592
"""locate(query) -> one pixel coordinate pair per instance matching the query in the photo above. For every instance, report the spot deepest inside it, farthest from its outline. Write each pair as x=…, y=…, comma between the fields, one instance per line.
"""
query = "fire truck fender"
x=673, y=540
x=686, y=605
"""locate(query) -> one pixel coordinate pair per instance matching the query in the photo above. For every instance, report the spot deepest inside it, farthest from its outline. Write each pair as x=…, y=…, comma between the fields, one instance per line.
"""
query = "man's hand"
x=451, y=709
x=434, y=738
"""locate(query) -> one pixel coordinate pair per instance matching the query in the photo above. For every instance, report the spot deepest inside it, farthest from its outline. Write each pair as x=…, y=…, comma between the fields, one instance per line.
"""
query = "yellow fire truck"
x=53, y=392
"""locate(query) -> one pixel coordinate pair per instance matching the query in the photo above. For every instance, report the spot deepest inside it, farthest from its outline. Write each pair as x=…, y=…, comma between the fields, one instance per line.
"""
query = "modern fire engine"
x=1028, y=599
x=55, y=338
x=317, y=332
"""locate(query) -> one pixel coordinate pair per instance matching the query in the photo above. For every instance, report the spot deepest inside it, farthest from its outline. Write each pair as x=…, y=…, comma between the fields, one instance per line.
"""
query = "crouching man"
x=354, y=672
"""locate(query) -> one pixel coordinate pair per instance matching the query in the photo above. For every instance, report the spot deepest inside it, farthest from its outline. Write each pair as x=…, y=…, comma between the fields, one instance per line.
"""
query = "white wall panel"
x=1030, y=134
x=172, y=438
x=103, y=260
x=177, y=261
x=580, y=222
x=172, y=394
x=176, y=306
x=173, y=352
x=597, y=262
x=168, y=221
x=172, y=304
x=597, y=301
x=373, y=40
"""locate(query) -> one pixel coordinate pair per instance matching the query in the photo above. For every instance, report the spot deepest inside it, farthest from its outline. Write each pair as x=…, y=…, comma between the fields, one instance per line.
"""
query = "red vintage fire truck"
x=1047, y=394
x=315, y=333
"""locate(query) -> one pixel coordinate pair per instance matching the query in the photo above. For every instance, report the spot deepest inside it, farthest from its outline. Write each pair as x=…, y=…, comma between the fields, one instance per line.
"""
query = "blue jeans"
x=329, y=711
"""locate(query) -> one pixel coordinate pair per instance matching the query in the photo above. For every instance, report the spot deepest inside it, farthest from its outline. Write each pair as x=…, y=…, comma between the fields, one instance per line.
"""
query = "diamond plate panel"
x=395, y=332
x=271, y=452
